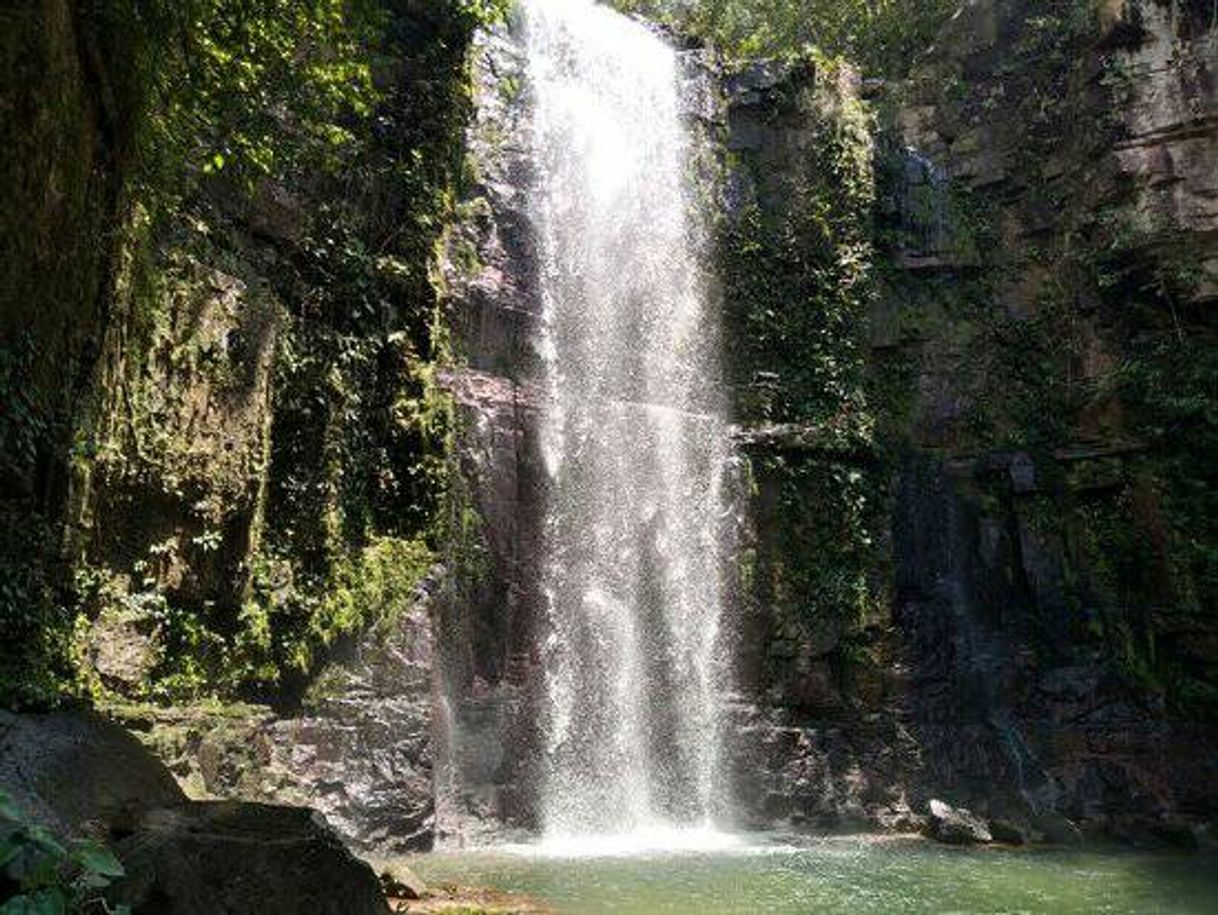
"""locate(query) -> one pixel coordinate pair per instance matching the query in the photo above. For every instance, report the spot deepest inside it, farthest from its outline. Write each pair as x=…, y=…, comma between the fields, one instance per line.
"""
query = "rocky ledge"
x=85, y=777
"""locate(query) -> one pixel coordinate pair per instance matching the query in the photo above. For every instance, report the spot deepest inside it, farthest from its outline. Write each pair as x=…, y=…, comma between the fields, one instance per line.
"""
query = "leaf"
x=41, y=838
x=99, y=860
x=17, y=905
x=49, y=901
x=8, y=807
x=9, y=849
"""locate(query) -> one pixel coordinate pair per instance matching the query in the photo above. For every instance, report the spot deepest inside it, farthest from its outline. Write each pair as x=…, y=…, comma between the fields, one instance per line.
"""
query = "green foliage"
x=247, y=88
x=884, y=36
x=796, y=280
x=816, y=556
x=353, y=109
x=49, y=877
x=1167, y=382
x=24, y=424
x=288, y=630
x=795, y=265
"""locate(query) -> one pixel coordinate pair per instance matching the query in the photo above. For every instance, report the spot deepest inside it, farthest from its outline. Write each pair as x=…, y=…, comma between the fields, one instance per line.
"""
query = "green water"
x=844, y=875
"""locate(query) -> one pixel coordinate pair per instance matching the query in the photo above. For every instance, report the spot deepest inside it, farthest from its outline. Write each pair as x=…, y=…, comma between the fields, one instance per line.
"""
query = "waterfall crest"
x=634, y=435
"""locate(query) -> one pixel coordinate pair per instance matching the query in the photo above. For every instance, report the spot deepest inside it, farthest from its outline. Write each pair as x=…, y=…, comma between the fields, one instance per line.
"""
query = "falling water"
x=634, y=436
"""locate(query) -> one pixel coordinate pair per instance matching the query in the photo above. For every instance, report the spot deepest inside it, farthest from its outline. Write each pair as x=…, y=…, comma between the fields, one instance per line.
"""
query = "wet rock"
x=1207, y=836
x=400, y=882
x=957, y=826
x=1056, y=829
x=360, y=752
x=1023, y=473
x=204, y=857
x=1007, y=832
x=1178, y=834
x=124, y=646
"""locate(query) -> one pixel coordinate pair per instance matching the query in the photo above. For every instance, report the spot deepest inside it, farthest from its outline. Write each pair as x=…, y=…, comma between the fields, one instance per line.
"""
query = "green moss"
x=1074, y=330
x=796, y=270
x=255, y=552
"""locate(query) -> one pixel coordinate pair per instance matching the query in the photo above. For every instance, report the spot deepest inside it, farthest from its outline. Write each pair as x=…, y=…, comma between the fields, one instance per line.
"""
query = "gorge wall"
x=1044, y=329
x=224, y=450
x=272, y=475
x=968, y=344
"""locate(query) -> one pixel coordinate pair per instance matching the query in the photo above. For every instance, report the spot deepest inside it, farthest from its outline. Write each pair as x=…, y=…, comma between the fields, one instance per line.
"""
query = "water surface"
x=846, y=875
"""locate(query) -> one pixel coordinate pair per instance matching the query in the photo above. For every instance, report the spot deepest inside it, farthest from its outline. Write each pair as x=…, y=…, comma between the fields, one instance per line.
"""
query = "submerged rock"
x=957, y=826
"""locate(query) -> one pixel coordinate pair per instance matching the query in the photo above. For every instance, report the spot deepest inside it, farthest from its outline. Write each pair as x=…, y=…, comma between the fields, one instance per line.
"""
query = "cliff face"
x=972, y=373
x=66, y=95
x=1051, y=228
x=971, y=368
x=989, y=572
x=223, y=447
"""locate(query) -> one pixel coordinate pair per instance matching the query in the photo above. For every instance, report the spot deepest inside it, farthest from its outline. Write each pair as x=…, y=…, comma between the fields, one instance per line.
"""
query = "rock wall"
x=65, y=96
x=360, y=751
x=968, y=561
x=1049, y=220
x=487, y=646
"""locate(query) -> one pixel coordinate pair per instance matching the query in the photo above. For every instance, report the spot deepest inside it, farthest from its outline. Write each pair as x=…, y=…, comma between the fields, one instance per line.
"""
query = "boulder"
x=83, y=775
x=80, y=773
x=957, y=826
x=1007, y=832
x=203, y=857
x=400, y=882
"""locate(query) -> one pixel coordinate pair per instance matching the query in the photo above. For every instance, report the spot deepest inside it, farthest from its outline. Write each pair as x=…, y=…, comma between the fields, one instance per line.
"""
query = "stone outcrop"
x=487, y=615
x=956, y=826
x=223, y=856
x=360, y=752
x=84, y=776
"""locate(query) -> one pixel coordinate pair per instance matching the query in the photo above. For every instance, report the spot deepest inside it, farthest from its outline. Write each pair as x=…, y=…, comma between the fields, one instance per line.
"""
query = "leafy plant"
x=885, y=36
x=47, y=877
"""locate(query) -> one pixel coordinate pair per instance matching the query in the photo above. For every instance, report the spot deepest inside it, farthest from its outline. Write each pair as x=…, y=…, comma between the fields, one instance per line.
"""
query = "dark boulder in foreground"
x=86, y=777
x=228, y=856
x=957, y=826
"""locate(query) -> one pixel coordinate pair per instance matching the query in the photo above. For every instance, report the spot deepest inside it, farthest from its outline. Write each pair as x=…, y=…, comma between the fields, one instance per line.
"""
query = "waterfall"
x=634, y=435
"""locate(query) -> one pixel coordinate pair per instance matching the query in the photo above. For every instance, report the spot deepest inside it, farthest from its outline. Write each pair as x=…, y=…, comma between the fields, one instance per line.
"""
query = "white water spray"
x=634, y=437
